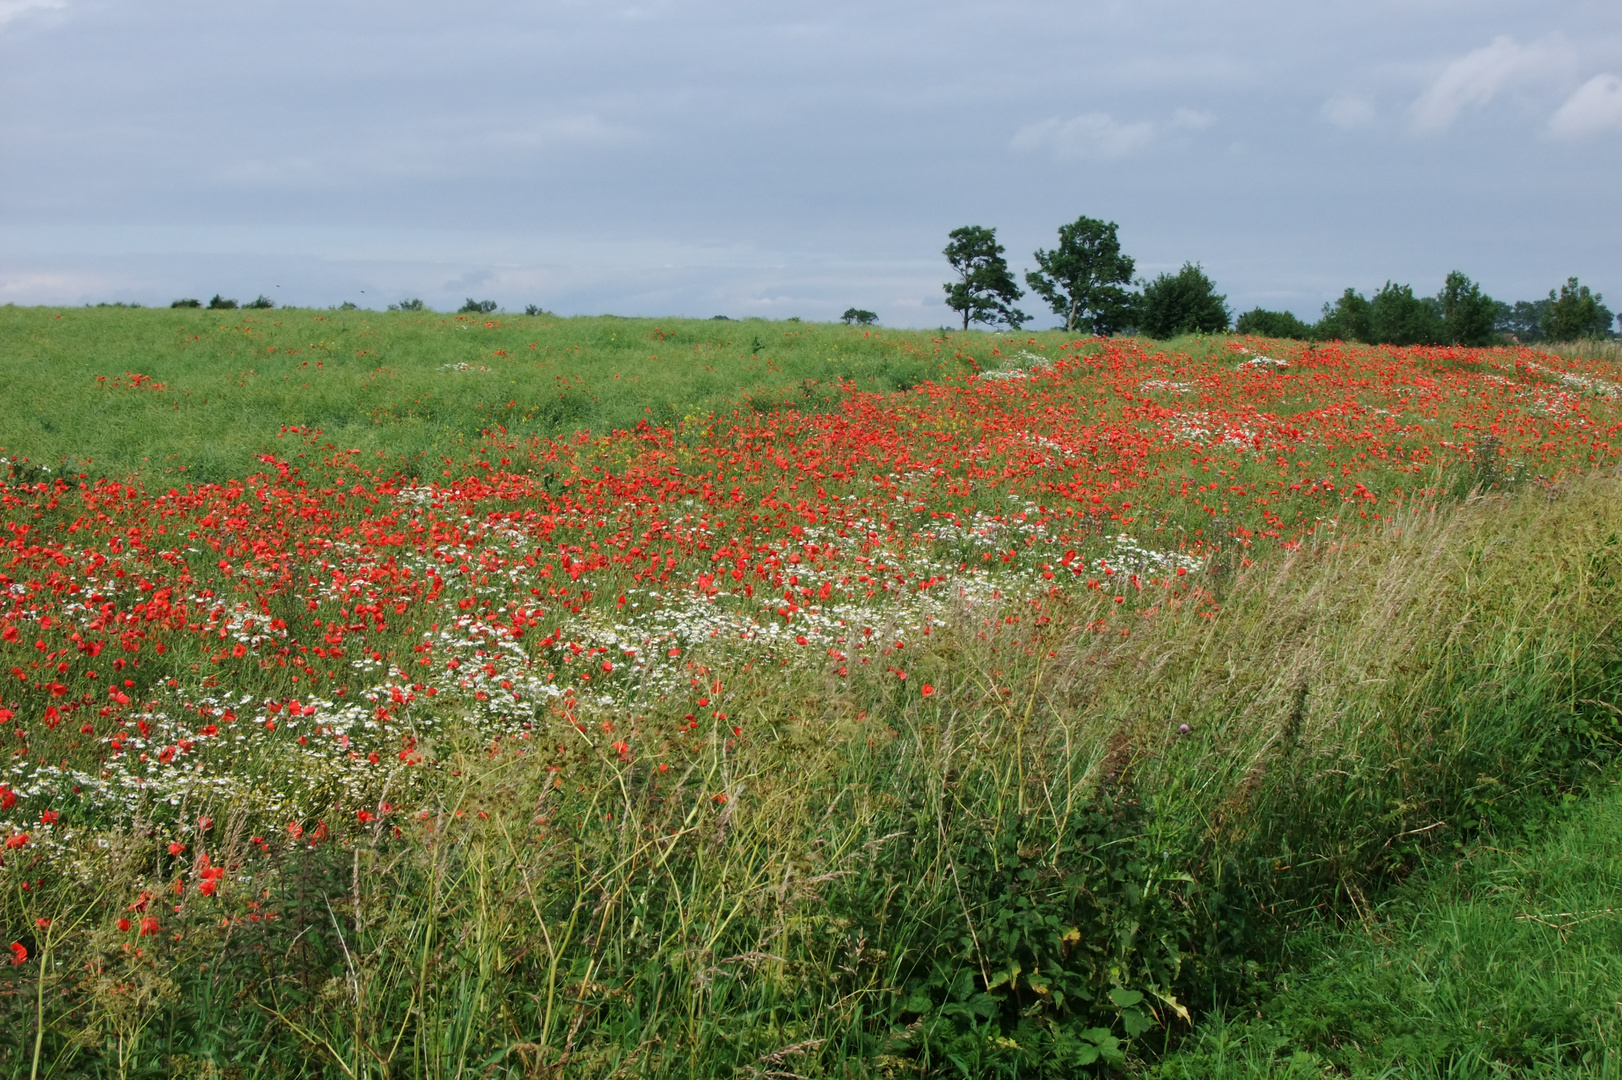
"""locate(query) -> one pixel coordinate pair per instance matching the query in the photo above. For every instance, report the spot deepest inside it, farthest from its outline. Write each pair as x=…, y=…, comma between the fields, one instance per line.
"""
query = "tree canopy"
x=985, y=291
x=1577, y=312
x=1182, y=303
x=1082, y=278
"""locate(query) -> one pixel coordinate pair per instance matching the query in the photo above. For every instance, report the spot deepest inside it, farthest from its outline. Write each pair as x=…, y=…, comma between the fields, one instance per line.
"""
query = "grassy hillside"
x=1002, y=723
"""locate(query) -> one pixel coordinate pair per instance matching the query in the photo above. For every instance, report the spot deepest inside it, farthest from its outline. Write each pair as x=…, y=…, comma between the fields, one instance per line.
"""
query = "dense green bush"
x=1468, y=314
x=1398, y=317
x=1182, y=303
x=1577, y=312
x=1272, y=324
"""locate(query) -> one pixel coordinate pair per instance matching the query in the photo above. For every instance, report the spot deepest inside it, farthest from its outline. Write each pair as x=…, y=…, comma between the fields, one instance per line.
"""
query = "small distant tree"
x=985, y=291
x=476, y=307
x=260, y=303
x=1082, y=278
x=412, y=304
x=1182, y=303
x=1468, y=314
x=347, y=305
x=1398, y=317
x=1576, y=313
x=1347, y=319
x=189, y=301
x=1522, y=320
x=859, y=316
x=1272, y=324
x=535, y=309
x=220, y=303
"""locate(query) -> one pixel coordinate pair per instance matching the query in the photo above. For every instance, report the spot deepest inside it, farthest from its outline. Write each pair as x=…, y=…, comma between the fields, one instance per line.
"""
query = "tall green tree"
x=1576, y=313
x=1468, y=314
x=1081, y=279
x=1398, y=317
x=1182, y=303
x=985, y=291
x=1347, y=319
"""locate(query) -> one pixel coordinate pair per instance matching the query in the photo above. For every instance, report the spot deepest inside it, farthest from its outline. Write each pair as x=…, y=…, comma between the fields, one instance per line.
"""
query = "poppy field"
x=953, y=712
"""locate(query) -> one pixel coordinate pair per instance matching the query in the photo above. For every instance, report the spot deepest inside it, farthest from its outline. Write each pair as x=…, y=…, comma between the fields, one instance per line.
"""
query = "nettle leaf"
x=1136, y=1022
x=1124, y=998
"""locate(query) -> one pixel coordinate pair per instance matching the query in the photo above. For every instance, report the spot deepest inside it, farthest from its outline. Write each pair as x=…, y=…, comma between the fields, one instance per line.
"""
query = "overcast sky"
x=702, y=157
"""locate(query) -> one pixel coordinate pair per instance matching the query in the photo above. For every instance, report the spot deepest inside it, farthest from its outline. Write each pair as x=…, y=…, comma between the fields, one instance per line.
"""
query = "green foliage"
x=220, y=303
x=188, y=302
x=1504, y=957
x=1398, y=317
x=536, y=309
x=1347, y=319
x=858, y=316
x=1182, y=303
x=1082, y=278
x=1468, y=314
x=410, y=304
x=1272, y=324
x=1522, y=321
x=985, y=290
x=260, y=303
x=1576, y=313
x=476, y=307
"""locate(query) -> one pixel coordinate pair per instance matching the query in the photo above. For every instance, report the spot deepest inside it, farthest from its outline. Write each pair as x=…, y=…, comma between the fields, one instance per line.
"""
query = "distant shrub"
x=858, y=316
x=1273, y=324
x=220, y=303
x=1576, y=313
x=1521, y=321
x=535, y=309
x=189, y=301
x=412, y=304
x=476, y=307
x=1398, y=317
x=1347, y=319
x=347, y=305
x=260, y=303
x=1182, y=303
x=1468, y=314
x=720, y=318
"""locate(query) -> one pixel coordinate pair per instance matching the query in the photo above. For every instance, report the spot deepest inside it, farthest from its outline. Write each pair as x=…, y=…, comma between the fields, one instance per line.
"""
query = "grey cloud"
x=1475, y=78
x=710, y=156
x=1595, y=108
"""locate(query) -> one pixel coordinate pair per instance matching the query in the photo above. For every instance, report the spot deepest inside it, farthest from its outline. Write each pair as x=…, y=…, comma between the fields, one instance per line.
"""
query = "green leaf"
x=1136, y=1022
x=1124, y=998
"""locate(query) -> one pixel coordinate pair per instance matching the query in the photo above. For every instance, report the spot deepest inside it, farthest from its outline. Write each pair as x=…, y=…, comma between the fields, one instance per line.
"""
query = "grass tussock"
x=1045, y=865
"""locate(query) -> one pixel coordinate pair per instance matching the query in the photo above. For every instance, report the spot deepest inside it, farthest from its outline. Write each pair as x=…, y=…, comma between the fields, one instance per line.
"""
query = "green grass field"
x=216, y=388
x=649, y=704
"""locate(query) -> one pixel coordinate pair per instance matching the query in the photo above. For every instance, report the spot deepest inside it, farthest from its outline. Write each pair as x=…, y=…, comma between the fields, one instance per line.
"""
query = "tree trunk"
x=1070, y=323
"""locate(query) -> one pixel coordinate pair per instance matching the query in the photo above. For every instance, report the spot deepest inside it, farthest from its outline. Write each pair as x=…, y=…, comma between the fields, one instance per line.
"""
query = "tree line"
x=1087, y=280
